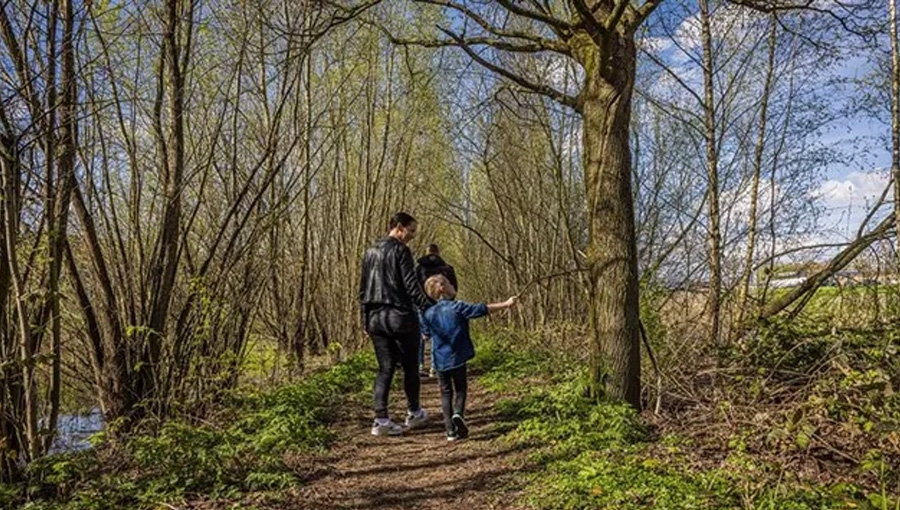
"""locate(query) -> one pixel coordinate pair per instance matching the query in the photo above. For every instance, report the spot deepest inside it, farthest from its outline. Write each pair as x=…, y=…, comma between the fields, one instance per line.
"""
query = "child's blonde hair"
x=434, y=286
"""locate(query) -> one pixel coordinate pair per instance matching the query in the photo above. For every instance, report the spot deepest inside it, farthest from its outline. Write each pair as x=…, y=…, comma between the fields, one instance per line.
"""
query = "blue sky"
x=845, y=189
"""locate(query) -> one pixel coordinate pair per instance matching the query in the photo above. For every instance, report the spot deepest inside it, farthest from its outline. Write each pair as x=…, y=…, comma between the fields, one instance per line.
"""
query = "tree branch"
x=616, y=15
x=485, y=24
x=546, y=90
x=643, y=12
x=524, y=47
x=561, y=26
x=672, y=73
x=836, y=264
x=594, y=28
x=772, y=6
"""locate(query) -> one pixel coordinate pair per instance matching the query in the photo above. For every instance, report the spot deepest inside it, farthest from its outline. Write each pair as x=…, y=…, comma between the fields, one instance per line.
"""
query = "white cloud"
x=655, y=44
x=847, y=201
x=855, y=189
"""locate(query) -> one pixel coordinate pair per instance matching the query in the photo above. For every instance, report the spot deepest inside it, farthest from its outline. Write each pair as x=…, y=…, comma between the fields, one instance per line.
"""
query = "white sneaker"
x=388, y=429
x=417, y=420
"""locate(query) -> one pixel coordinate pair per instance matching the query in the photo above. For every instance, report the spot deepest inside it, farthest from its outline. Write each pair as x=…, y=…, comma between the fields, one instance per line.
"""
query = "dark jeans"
x=422, y=353
x=422, y=348
x=453, y=380
x=395, y=336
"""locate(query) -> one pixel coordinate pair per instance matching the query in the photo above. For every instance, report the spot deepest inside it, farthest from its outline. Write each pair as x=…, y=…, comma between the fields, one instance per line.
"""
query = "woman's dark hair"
x=401, y=219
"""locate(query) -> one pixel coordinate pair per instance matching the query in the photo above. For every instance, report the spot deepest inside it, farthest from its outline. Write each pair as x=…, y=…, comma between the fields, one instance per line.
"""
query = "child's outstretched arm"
x=509, y=303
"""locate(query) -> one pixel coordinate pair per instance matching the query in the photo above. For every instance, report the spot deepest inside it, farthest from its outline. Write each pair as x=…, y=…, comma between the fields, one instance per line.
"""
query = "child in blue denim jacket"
x=447, y=323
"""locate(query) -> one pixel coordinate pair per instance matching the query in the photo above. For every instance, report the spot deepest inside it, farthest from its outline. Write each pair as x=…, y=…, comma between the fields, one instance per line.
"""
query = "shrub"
x=244, y=450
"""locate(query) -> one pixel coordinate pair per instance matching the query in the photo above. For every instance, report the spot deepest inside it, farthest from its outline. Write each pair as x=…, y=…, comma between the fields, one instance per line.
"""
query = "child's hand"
x=511, y=302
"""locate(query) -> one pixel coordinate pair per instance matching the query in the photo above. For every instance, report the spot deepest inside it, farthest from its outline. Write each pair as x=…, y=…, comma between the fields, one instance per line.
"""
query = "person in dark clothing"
x=389, y=295
x=432, y=264
x=428, y=266
x=447, y=322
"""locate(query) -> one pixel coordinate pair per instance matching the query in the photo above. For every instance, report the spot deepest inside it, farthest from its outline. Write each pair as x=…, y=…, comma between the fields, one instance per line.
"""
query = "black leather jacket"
x=388, y=278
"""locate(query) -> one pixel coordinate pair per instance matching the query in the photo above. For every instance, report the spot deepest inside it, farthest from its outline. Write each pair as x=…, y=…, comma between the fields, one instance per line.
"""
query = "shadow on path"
x=418, y=470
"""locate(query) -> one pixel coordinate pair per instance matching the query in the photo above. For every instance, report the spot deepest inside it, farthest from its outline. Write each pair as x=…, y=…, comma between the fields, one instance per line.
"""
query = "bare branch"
x=485, y=24
x=773, y=6
x=616, y=15
x=524, y=47
x=643, y=12
x=671, y=73
x=883, y=230
x=559, y=25
x=478, y=41
x=546, y=90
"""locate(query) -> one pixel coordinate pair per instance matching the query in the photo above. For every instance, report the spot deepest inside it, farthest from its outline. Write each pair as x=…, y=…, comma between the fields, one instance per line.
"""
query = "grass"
x=856, y=306
x=247, y=447
x=592, y=453
x=601, y=455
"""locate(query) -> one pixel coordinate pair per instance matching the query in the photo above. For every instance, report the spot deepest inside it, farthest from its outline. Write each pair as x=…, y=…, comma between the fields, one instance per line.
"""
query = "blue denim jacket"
x=447, y=323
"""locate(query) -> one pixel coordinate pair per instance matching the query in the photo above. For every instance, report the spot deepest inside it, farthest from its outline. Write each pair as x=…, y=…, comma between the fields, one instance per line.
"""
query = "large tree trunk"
x=612, y=252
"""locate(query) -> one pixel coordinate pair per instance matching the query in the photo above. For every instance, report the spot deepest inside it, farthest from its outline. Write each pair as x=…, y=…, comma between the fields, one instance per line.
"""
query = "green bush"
x=598, y=454
x=242, y=452
x=629, y=479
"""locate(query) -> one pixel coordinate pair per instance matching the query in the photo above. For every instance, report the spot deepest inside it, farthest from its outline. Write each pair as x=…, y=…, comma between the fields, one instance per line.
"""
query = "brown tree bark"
x=712, y=178
x=757, y=170
x=612, y=251
x=895, y=120
x=66, y=165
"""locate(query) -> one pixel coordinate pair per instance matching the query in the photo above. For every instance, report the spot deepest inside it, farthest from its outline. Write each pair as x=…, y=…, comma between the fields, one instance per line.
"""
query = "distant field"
x=851, y=306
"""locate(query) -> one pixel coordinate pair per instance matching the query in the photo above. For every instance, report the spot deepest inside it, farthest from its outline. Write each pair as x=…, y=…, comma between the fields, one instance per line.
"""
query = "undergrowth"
x=597, y=454
x=246, y=448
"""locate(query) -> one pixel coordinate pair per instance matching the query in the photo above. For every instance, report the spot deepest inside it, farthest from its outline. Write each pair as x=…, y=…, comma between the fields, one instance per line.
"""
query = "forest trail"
x=420, y=470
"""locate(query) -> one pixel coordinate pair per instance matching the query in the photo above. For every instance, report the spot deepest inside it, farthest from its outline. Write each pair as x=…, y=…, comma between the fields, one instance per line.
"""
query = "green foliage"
x=784, y=343
x=841, y=382
x=244, y=450
x=652, y=303
x=599, y=454
x=506, y=363
x=630, y=478
x=618, y=480
x=560, y=415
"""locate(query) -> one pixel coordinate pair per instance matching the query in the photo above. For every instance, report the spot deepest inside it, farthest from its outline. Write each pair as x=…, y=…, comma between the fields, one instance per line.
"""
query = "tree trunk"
x=612, y=251
x=712, y=176
x=11, y=202
x=757, y=170
x=66, y=174
x=165, y=267
x=806, y=289
x=895, y=120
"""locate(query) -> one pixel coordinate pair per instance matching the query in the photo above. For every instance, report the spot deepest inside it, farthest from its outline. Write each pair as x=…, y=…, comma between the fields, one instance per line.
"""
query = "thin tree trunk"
x=837, y=263
x=895, y=120
x=712, y=175
x=10, y=172
x=757, y=170
x=172, y=172
x=66, y=183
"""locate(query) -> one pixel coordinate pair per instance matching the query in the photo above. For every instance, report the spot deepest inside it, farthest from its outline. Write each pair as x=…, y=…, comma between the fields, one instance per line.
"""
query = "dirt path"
x=418, y=470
